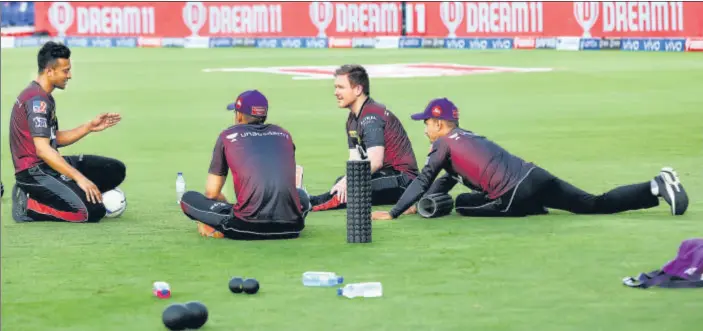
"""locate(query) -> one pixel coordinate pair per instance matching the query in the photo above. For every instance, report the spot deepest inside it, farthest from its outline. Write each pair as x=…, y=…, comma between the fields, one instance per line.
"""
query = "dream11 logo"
x=321, y=14
x=452, y=13
x=194, y=17
x=586, y=14
x=61, y=17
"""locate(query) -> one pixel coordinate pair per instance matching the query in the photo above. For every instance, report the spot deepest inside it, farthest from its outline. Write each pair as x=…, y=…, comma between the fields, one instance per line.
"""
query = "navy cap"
x=442, y=109
x=252, y=103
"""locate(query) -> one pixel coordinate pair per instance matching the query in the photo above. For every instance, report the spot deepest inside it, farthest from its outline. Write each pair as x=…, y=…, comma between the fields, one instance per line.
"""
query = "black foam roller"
x=359, y=201
x=435, y=205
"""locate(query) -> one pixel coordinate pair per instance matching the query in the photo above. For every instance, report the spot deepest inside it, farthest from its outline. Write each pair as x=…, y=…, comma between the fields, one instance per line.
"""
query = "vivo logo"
x=126, y=42
x=652, y=45
x=77, y=42
x=315, y=43
x=478, y=44
x=102, y=42
x=266, y=43
x=455, y=43
x=674, y=46
x=502, y=44
x=631, y=45
x=291, y=43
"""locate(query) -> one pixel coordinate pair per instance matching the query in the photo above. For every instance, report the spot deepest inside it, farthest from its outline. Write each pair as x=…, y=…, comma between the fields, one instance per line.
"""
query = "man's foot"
x=19, y=205
x=668, y=186
x=208, y=231
x=299, y=176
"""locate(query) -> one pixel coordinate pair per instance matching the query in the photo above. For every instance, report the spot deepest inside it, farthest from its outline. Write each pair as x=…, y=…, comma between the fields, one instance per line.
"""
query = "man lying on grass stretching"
x=506, y=185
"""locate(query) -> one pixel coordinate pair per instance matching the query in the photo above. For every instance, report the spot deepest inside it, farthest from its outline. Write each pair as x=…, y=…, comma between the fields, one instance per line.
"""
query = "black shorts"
x=539, y=190
x=43, y=194
x=219, y=215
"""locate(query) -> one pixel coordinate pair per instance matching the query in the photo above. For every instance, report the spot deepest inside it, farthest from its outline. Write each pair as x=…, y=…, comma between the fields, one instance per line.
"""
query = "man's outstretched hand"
x=104, y=121
x=381, y=216
x=385, y=216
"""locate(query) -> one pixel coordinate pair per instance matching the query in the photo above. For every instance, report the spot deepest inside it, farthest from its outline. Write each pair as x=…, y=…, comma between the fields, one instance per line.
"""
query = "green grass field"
x=600, y=119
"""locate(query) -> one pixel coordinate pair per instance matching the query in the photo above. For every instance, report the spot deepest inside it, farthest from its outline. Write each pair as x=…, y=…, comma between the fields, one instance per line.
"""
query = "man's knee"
x=116, y=169
x=96, y=212
x=189, y=199
x=119, y=170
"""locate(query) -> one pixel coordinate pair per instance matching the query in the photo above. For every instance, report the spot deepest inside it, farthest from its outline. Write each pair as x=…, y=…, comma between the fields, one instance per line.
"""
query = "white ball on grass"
x=115, y=203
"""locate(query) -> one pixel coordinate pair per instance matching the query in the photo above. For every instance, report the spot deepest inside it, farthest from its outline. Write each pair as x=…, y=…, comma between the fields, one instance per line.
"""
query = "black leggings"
x=540, y=190
x=54, y=197
x=219, y=215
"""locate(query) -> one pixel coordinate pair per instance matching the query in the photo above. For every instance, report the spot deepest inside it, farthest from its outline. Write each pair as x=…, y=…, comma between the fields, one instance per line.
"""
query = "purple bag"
x=684, y=271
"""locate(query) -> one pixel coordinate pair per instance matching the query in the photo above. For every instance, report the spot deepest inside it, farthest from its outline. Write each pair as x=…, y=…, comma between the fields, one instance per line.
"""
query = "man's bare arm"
x=68, y=137
x=213, y=187
x=58, y=163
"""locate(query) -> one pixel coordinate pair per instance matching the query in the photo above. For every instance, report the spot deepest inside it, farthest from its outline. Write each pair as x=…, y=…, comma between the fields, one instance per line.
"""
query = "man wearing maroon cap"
x=506, y=185
x=261, y=158
x=374, y=134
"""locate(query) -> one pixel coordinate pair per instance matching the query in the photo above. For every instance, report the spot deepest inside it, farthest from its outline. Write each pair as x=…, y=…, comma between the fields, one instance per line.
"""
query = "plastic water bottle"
x=366, y=290
x=180, y=187
x=321, y=279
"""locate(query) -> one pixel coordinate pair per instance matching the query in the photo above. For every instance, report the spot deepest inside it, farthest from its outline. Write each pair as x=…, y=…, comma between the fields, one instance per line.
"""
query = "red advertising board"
x=535, y=18
x=353, y=19
x=210, y=19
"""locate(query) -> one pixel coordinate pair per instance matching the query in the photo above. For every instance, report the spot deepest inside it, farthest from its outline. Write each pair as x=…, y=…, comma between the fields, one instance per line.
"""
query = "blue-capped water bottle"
x=365, y=290
x=321, y=279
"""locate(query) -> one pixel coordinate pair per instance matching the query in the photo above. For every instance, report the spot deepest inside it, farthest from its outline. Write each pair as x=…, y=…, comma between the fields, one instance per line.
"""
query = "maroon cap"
x=252, y=103
x=442, y=109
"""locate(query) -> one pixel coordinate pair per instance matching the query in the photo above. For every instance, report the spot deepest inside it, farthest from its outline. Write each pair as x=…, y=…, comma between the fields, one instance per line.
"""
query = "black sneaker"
x=670, y=188
x=19, y=205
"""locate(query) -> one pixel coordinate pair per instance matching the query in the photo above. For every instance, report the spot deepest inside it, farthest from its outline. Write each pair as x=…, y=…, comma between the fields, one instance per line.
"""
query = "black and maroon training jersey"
x=33, y=115
x=470, y=159
x=261, y=158
x=378, y=126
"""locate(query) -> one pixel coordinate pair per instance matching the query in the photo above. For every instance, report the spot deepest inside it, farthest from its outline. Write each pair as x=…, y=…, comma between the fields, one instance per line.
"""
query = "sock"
x=654, y=187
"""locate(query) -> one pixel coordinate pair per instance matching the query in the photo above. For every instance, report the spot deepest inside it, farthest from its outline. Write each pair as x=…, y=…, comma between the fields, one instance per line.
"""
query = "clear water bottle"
x=366, y=290
x=180, y=187
x=321, y=279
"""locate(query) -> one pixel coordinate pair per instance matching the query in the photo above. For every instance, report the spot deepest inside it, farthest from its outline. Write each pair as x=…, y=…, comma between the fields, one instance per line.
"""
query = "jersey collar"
x=363, y=106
